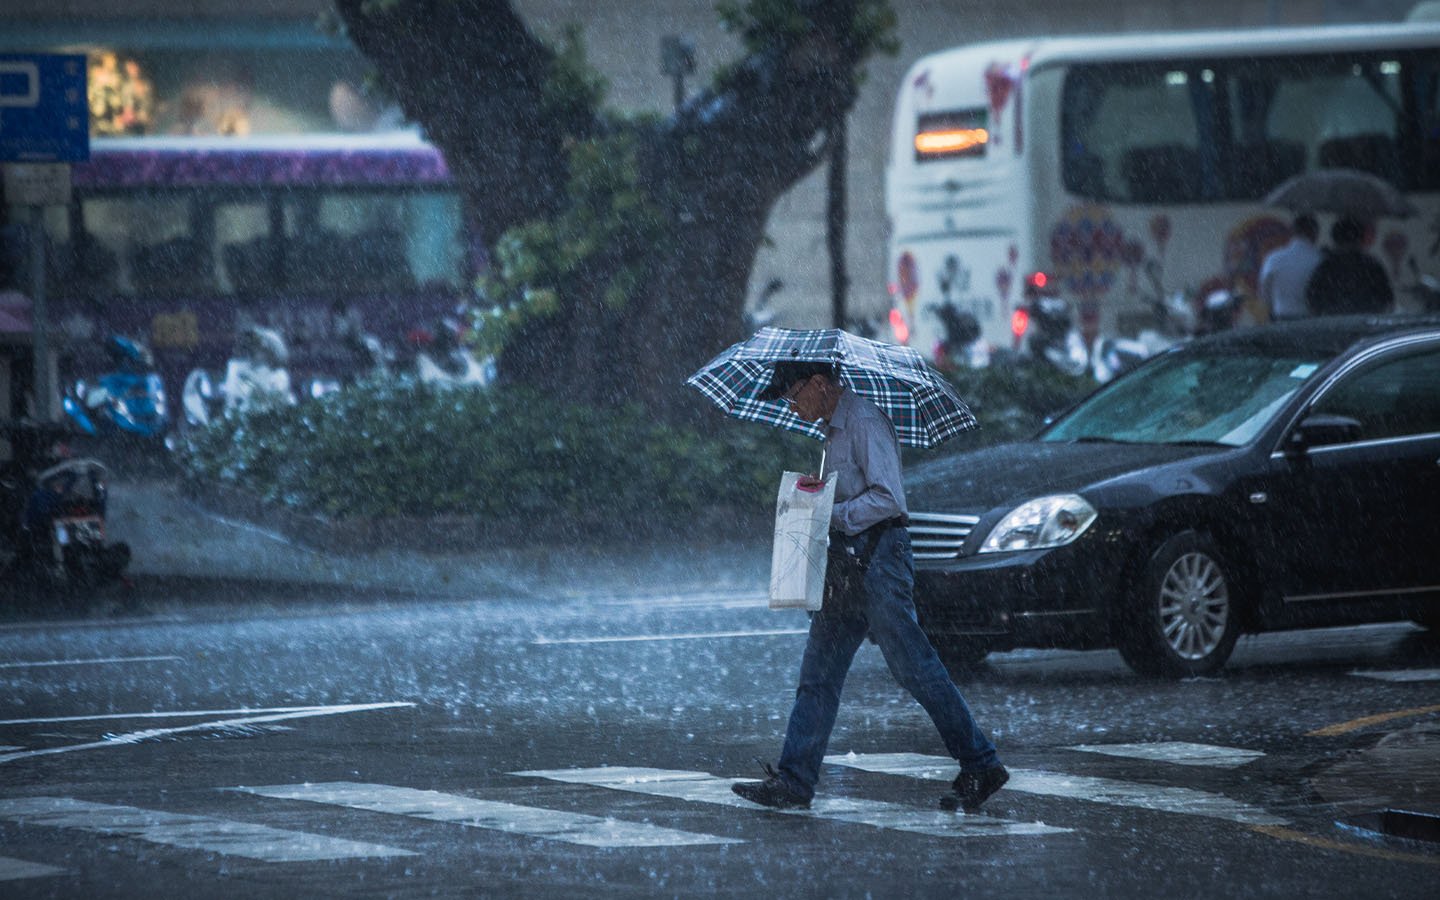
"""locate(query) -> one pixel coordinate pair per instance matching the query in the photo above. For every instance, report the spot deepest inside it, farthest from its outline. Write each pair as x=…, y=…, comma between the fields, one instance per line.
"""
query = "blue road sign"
x=44, y=113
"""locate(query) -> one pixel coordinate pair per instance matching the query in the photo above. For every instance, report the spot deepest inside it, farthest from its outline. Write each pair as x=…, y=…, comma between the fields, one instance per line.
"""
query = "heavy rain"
x=456, y=447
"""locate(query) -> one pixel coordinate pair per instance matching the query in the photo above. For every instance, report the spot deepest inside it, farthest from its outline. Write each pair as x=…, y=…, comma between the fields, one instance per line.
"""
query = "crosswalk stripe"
x=1399, y=675
x=1181, y=753
x=188, y=832
x=574, y=828
x=702, y=787
x=1185, y=801
x=12, y=869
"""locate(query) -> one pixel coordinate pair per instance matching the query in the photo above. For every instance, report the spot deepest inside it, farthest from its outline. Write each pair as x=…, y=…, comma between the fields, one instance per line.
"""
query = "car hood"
x=1013, y=473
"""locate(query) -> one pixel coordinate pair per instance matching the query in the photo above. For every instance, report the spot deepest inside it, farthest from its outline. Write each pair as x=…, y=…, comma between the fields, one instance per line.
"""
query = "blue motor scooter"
x=128, y=401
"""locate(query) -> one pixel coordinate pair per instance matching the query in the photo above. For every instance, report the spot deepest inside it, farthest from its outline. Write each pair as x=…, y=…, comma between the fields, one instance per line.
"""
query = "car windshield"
x=1192, y=397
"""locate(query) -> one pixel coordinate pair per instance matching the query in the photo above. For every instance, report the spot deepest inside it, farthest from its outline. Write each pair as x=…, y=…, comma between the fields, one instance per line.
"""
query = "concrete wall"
x=623, y=38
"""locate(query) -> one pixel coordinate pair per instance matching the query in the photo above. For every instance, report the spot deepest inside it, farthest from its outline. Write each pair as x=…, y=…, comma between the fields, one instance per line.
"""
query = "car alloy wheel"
x=1183, y=620
x=1194, y=606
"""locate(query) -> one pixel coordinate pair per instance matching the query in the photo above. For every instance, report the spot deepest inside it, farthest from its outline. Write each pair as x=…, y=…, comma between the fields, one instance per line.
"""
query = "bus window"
x=246, y=245
x=146, y=243
x=1425, y=78
x=1135, y=133
x=1343, y=113
x=371, y=240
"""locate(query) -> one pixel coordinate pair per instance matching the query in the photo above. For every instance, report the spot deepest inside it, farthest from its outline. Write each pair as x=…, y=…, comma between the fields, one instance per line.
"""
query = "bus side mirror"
x=1320, y=431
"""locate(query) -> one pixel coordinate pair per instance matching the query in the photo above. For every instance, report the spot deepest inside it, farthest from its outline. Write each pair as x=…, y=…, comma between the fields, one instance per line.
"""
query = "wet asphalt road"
x=375, y=740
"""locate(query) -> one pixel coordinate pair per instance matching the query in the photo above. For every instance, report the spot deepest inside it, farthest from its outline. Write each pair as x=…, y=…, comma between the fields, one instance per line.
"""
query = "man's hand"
x=809, y=483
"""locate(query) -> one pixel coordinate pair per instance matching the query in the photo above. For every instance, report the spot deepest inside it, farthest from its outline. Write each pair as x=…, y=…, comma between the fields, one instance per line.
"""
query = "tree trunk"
x=484, y=88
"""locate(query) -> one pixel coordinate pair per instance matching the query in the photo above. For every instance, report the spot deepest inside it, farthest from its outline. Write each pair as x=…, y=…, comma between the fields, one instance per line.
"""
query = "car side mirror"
x=1321, y=430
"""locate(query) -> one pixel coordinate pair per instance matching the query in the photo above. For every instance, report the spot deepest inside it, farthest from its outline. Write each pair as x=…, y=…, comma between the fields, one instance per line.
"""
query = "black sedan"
x=1277, y=477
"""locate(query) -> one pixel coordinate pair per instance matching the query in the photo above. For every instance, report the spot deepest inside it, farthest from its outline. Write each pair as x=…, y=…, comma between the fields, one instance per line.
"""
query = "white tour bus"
x=1125, y=169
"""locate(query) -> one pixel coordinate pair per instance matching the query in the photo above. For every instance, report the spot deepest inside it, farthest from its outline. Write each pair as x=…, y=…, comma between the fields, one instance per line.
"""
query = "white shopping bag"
x=802, y=523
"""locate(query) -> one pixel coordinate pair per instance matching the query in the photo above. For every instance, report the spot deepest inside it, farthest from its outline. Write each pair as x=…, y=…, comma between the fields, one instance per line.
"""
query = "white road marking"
x=1400, y=675
x=574, y=828
x=1179, y=752
x=701, y=787
x=14, y=869
x=135, y=737
x=1184, y=801
x=188, y=832
x=694, y=636
x=87, y=662
x=715, y=600
x=174, y=714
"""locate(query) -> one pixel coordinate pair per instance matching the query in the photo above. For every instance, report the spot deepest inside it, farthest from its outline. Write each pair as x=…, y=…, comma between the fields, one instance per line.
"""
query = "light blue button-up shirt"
x=864, y=454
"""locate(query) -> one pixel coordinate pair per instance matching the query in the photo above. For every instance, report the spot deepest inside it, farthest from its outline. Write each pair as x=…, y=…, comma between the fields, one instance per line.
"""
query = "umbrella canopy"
x=1345, y=192
x=919, y=401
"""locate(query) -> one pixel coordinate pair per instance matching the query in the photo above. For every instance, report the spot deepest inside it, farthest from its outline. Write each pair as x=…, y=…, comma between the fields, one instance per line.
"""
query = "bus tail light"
x=950, y=142
x=899, y=326
x=957, y=133
x=1019, y=324
x=1037, y=284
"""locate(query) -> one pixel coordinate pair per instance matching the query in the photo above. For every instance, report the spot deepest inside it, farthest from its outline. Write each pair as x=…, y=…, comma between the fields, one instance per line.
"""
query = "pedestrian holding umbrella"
x=871, y=397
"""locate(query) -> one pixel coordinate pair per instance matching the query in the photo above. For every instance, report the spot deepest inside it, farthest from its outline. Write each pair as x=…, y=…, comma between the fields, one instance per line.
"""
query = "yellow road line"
x=1364, y=721
x=1286, y=834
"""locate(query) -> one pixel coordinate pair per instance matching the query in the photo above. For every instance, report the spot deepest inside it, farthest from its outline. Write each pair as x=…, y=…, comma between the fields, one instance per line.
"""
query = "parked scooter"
x=1045, y=331
x=446, y=362
x=961, y=344
x=367, y=357
x=53, y=510
x=128, y=402
x=256, y=371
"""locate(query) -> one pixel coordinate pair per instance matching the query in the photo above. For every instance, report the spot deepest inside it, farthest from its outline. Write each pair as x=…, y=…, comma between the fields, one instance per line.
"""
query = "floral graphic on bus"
x=908, y=274
x=1086, y=251
x=1160, y=232
x=1000, y=80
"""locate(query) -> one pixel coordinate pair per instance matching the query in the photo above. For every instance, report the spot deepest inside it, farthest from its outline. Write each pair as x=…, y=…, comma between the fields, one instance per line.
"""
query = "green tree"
x=620, y=245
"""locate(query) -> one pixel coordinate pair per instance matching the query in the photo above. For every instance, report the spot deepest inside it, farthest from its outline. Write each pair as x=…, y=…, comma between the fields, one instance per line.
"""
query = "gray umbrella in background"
x=1344, y=192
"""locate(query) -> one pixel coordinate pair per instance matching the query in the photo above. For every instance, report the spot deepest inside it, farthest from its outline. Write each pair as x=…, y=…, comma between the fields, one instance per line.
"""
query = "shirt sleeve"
x=878, y=458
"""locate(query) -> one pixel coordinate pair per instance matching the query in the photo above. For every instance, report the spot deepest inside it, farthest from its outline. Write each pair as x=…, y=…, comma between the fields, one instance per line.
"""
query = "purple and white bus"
x=183, y=241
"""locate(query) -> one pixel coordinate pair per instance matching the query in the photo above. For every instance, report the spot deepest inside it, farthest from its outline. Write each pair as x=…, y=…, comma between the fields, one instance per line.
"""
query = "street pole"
x=835, y=212
x=44, y=390
x=677, y=59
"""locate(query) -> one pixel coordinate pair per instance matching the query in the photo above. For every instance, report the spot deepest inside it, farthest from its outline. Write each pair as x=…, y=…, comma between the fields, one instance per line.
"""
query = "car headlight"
x=1044, y=522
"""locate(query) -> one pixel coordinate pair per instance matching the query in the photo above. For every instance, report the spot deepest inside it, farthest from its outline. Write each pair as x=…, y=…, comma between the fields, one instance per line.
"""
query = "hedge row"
x=396, y=448
x=387, y=448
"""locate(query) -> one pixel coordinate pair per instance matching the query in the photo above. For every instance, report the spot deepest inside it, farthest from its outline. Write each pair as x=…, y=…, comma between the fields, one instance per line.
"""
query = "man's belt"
x=861, y=545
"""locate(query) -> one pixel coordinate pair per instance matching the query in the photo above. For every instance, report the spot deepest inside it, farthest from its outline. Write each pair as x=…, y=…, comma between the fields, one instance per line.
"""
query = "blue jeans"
x=885, y=610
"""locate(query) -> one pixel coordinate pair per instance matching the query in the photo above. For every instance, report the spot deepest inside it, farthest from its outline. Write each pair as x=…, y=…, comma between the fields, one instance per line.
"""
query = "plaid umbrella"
x=923, y=405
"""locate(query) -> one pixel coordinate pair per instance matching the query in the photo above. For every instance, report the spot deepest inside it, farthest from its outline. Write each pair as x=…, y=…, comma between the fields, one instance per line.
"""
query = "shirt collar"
x=842, y=409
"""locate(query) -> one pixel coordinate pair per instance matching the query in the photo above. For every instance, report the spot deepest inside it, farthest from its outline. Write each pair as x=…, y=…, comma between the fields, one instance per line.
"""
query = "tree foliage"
x=621, y=244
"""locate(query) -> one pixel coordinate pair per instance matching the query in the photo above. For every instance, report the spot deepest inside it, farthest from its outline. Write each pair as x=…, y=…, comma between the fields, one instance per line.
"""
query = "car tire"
x=962, y=658
x=1184, y=618
x=1428, y=619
